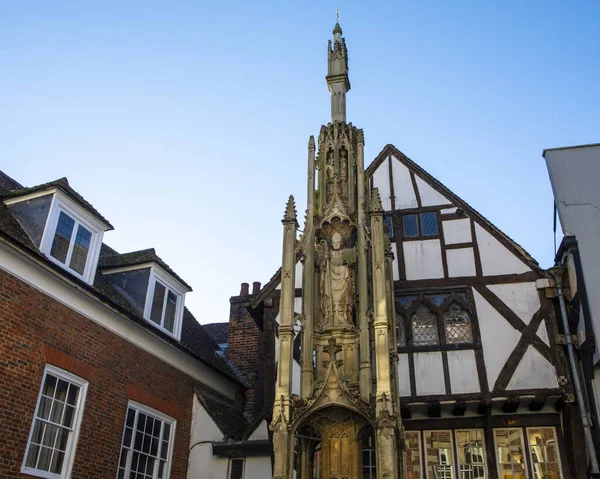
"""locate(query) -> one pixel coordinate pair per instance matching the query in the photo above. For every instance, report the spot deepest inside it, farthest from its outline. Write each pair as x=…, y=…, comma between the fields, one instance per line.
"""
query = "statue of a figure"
x=337, y=285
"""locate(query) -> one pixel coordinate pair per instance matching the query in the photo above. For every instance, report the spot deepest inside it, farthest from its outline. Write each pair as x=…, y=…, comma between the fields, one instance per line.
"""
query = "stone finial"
x=376, y=206
x=290, y=211
x=360, y=136
x=311, y=142
x=337, y=29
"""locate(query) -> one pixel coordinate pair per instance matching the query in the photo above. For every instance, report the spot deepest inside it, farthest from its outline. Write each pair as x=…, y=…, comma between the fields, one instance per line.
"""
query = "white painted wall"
x=498, y=338
x=423, y=259
x=381, y=180
x=403, y=375
x=260, y=433
x=463, y=372
x=461, y=262
x=257, y=468
x=404, y=192
x=429, y=196
x=448, y=211
x=457, y=231
x=429, y=373
x=521, y=298
x=203, y=432
x=542, y=332
x=534, y=371
x=297, y=276
x=219, y=469
x=495, y=257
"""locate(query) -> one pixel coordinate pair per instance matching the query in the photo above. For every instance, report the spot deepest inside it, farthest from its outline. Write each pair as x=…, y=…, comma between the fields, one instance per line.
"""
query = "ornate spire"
x=290, y=211
x=337, y=73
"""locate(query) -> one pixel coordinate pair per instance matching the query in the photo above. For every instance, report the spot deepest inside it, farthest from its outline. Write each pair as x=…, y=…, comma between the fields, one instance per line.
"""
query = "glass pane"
x=57, y=412
x=410, y=226
x=471, y=454
x=438, y=446
x=170, y=311
x=413, y=455
x=38, y=432
x=61, y=390
x=57, y=462
x=429, y=224
x=62, y=237
x=406, y=301
x=437, y=299
x=458, y=325
x=80, y=249
x=400, y=331
x=509, y=448
x=73, y=395
x=62, y=439
x=32, y=455
x=49, y=386
x=388, y=225
x=157, y=303
x=44, y=459
x=424, y=327
x=543, y=453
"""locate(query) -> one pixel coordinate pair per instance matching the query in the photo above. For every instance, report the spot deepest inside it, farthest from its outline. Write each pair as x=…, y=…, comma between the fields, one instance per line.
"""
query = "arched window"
x=424, y=326
x=457, y=323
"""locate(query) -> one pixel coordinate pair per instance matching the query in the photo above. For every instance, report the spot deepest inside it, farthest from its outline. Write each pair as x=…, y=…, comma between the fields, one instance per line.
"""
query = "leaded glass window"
x=147, y=444
x=420, y=225
x=458, y=325
x=471, y=454
x=411, y=226
x=389, y=226
x=429, y=224
x=543, y=453
x=56, y=421
x=424, y=327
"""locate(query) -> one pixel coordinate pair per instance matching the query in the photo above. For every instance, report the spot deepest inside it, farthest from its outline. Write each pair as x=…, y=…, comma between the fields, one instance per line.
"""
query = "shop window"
x=510, y=453
x=470, y=454
x=543, y=453
x=439, y=454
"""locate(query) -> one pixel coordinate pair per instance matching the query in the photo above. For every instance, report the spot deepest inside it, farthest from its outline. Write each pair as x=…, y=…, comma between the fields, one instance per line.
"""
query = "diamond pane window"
x=410, y=225
x=429, y=224
x=146, y=448
x=52, y=439
x=458, y=325
x=389, y=226
x=543, y=452
x=406, y=301
x=424, y=327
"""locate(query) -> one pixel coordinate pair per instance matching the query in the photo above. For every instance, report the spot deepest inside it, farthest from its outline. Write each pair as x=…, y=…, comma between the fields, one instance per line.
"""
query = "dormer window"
x=164, y=303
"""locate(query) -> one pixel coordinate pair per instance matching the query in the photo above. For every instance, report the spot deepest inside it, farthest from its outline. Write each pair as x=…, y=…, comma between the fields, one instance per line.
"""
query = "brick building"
x=103, y=370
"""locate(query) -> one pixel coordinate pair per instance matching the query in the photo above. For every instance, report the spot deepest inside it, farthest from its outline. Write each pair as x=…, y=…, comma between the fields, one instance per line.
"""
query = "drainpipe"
x=557, y=272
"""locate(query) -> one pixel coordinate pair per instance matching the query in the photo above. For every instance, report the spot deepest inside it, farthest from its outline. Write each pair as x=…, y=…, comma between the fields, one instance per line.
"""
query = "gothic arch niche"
x=330, y=443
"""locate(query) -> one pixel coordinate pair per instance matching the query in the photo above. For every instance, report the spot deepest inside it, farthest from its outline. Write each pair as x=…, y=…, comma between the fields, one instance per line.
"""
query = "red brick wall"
x=245, y=351
x=36, y=329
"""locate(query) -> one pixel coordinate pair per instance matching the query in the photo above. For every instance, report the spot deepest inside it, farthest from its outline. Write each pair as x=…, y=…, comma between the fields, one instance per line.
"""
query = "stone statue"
x=337, y=285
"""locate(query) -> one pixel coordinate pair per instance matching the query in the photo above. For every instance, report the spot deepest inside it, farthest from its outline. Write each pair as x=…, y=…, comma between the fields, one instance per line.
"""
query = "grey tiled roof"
x=228, y=417
x=63, y=185
x=7, y=184
x=218, y=331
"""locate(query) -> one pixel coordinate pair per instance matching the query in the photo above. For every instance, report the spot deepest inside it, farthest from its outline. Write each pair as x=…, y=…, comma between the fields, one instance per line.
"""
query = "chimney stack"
x=245, y=289
x=256, y=287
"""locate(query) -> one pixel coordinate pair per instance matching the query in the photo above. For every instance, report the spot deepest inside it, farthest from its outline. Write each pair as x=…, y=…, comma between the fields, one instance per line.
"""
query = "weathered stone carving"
x=337, y=285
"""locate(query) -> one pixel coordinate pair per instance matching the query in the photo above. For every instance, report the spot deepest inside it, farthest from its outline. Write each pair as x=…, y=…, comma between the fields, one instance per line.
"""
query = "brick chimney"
x=245, y=347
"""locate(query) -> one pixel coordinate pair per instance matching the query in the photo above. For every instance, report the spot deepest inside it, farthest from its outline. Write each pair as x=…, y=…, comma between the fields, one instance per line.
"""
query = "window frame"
x=67, y=467
x=156, y=415
x=157, y=276
x=525, y=446
x=418, y=212
x=61, y=203
x=230, y=464
x=439, y=312
x=457, y=452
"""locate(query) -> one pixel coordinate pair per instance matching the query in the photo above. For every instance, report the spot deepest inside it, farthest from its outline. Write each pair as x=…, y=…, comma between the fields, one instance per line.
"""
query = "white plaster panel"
x=403, y=375
x=403, y=188
x=498, y=338
x=260, y=433
x=219, y=469
x=521, y=298
x=429, y=196
x=381, y=180
x=495, y=257
x=448, y=211
x=297, y=276
x=203, y=427
x=542, y=333
x=457, y=231
x=429, y=374
x=534, y=371
x=461, y=262
x=257, y=467
x=463, y=372
x=298, y=305
x=200, y=461
x=296, y=370
x=423, y=259
x=395, y=271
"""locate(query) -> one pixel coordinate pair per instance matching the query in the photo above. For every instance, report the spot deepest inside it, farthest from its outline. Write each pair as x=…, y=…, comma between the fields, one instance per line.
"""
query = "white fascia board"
x=39, y=276
x=165, y=277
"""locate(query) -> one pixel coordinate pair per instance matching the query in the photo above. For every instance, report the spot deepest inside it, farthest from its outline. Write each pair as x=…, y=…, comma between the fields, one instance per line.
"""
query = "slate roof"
x=63, y=185
x=218, y=331
x=227, y=416
x=137, y=257
x=7, y=184
x=194, y=340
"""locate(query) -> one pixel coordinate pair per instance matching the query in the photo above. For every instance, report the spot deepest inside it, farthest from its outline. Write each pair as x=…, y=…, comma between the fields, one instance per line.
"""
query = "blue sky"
x=186, y=123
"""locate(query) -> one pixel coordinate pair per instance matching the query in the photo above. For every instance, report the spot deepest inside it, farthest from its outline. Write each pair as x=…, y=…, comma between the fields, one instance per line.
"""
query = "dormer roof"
x=138, y=258
x=63, y=185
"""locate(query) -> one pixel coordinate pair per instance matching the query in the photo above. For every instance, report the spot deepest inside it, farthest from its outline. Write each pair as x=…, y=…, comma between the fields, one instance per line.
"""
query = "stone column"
x=308, y=298
x=363, y=322
x=385, y=431
x=281, y=423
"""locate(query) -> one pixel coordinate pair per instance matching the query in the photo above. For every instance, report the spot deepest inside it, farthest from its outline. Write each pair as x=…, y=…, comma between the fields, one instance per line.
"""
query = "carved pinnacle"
x=311, y=142
x=290, y=211
x=376, y=206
